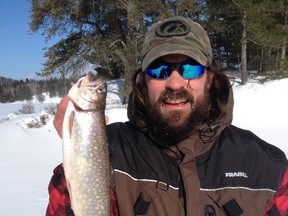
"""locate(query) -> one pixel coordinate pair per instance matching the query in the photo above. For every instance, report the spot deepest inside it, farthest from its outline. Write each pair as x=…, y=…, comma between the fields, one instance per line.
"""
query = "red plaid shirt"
x=279, y=204
x=59, y=202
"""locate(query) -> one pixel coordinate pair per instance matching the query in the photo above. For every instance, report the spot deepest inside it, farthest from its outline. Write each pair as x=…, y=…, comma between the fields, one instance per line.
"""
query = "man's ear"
x=210, y=77
x=141, y=79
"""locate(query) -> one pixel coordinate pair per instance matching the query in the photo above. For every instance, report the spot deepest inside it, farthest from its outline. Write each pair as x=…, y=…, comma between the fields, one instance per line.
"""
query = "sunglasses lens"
x=158, y=71
x=162, y=70
x=189, y=71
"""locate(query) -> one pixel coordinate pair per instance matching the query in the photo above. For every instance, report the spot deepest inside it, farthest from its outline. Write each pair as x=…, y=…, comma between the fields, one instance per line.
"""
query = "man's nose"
x=175, y=81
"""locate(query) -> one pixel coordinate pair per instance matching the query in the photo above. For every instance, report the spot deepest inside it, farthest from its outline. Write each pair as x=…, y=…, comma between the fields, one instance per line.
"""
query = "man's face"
x=175, y=103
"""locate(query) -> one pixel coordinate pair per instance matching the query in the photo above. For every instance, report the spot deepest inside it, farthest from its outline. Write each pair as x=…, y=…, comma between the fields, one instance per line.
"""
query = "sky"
x=21, y=53
x=28, y=156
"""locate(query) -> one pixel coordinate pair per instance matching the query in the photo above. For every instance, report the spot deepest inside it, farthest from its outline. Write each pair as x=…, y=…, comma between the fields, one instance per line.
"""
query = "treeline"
x=17, y=90
x=245, y=34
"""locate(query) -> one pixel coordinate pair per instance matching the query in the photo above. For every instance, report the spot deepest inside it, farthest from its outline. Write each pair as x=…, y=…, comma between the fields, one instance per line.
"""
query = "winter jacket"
x=239, y=174
x=218, y=170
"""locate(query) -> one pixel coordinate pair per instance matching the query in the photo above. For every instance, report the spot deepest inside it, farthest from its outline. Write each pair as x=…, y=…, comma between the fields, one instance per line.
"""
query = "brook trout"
x=85, y=149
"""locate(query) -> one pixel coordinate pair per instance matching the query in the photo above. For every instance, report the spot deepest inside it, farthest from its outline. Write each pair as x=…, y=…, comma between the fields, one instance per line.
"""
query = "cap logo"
x=173, y=28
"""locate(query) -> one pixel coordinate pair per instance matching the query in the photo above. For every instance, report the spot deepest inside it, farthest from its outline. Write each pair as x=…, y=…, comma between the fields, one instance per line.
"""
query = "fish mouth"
x=90, y=76
x=97, y=85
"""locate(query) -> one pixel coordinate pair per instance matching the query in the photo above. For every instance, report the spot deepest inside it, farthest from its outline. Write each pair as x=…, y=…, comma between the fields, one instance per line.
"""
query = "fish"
x=85, y=148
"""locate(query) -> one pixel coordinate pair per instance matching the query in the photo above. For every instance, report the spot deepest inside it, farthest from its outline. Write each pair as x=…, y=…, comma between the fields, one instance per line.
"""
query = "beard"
x=168, y=127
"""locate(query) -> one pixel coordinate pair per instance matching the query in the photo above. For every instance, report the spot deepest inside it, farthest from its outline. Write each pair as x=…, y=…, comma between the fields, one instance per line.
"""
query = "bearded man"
x=179, y=154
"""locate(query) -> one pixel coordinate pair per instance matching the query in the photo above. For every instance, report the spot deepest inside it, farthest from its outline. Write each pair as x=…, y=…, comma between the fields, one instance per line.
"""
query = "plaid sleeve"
x=279, y=204
x=59, y=201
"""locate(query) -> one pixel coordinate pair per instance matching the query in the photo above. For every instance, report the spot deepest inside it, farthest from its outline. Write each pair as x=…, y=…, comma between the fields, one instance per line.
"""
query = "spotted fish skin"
x=85, y=148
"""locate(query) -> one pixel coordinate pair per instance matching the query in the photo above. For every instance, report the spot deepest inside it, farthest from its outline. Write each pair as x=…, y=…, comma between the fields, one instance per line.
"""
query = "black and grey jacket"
x=238, y=174
x=218, y=170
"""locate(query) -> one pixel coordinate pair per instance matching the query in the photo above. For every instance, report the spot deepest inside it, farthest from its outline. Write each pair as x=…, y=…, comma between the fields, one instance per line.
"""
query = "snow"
x=28, y=156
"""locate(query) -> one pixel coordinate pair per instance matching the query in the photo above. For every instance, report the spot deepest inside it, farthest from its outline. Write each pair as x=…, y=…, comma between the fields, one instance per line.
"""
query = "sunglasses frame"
x=168, y=68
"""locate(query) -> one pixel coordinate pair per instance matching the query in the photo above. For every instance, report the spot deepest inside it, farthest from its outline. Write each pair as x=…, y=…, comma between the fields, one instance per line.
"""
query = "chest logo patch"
x=236, y=174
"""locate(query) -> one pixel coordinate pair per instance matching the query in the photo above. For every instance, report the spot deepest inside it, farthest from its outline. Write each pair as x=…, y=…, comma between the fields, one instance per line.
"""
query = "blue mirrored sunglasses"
x=188, y=69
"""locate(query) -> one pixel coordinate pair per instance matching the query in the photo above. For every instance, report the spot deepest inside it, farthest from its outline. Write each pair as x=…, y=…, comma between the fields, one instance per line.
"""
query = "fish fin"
x=70, y=193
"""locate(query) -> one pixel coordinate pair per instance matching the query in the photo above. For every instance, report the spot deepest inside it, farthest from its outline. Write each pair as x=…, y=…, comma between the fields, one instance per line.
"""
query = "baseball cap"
x=176, y=35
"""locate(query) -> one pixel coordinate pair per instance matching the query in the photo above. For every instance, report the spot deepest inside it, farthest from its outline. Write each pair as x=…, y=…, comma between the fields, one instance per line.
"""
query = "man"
x=179, y=153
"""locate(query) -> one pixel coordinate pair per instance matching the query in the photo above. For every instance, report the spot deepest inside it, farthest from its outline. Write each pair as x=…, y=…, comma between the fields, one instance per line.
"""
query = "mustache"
x=182, y=94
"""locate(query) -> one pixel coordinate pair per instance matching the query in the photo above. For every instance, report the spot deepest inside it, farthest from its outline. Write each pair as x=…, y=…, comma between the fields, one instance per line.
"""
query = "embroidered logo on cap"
x=173, y=28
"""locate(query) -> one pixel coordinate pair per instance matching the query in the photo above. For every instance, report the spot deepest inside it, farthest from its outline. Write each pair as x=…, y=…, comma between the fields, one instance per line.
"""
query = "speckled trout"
x=85, y=149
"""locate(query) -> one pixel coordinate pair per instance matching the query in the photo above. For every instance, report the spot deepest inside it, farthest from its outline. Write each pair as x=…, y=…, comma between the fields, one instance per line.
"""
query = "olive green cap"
x=176, y=35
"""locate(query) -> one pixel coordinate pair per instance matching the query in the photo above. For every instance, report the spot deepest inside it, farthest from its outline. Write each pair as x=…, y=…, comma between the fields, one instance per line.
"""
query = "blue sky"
x=21, y=53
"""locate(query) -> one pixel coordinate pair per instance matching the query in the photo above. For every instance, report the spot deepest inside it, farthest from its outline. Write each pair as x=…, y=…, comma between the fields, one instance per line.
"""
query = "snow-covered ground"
x=28, y=156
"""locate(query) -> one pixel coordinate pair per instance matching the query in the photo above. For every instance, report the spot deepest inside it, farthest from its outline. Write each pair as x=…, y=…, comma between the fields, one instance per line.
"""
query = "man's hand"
x=58, y=119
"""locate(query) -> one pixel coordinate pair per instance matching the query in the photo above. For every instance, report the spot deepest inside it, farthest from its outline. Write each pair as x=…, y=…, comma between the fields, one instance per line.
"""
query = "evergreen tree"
x=246, y=33
x=23, y=93
x=107, y=34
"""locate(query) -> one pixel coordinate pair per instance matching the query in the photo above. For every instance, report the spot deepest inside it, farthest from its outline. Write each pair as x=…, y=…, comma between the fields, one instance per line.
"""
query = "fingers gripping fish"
x=85, y=148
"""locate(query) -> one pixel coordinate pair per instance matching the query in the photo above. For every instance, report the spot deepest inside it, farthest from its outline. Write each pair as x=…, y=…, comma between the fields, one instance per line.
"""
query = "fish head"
x=88, y=94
